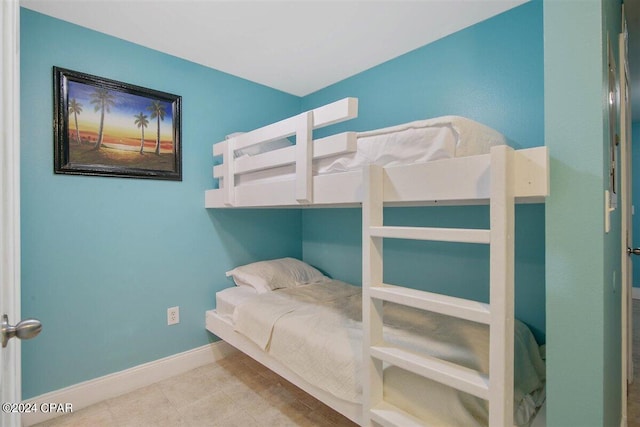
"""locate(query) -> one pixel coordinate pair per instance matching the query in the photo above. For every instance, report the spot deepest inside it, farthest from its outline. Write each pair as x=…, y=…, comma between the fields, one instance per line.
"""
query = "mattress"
x=330, y=357
x=414, y=142
x=228, y=299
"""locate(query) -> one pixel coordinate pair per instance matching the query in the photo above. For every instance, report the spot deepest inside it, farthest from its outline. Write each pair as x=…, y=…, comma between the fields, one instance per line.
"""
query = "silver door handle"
x=634, y=251
x=26, y=329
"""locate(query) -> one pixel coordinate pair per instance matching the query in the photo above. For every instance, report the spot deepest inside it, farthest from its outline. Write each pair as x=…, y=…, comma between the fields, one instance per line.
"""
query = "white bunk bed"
x=500, y=177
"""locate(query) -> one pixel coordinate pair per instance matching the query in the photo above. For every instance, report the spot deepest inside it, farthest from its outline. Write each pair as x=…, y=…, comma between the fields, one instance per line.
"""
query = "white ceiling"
x=296, y=46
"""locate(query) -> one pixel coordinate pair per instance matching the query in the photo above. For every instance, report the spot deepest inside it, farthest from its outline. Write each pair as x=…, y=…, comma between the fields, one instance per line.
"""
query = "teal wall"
x=103, y=258
x=583, y=263
x=491, y=72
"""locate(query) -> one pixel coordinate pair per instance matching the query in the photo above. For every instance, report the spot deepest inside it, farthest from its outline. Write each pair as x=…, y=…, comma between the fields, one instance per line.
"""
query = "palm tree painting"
x=157, y=112
x=142, y=122
x=76, y=108
x=117, y=126
x=103, y=100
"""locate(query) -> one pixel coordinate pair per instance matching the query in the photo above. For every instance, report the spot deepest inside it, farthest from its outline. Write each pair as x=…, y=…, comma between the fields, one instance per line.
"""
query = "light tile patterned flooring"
x=238, y=391
x=235, y=391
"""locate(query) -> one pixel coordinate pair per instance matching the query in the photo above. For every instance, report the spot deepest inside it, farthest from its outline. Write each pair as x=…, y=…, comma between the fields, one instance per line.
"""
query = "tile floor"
x=235, y=391
x=238, y=391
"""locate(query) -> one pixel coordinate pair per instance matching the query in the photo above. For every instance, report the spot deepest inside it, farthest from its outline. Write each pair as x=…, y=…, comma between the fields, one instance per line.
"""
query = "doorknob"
x=26, y=329
x=634, y=251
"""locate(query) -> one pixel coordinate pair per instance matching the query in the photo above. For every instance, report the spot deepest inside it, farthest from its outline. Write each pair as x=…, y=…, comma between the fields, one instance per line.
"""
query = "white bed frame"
x=223, y=329
x=501, y=179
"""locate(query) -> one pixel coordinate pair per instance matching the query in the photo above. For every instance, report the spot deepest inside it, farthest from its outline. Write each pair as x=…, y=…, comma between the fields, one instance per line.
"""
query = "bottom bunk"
x=222, y=327
x=309, y=331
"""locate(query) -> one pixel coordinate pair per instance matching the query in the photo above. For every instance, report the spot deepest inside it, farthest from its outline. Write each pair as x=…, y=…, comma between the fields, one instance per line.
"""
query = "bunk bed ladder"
x=497, y=387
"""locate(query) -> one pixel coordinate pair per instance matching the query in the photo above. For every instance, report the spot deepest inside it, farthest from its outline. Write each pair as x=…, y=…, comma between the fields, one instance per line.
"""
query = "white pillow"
x=274, y=274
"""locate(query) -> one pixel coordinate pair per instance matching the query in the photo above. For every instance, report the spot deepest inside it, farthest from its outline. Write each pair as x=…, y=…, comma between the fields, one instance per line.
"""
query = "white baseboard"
x=636, y=293
x=93, y=391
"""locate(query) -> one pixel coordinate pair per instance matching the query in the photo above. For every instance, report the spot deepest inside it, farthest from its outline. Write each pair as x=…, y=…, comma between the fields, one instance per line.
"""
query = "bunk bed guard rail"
x=301, y=154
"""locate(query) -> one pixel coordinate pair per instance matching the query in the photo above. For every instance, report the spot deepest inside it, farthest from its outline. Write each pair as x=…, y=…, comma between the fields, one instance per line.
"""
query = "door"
x=10, y=375
x=10, y=206
x=627, y=222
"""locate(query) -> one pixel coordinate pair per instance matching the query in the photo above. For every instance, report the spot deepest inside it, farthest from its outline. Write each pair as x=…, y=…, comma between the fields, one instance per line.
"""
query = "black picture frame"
x=100, y=126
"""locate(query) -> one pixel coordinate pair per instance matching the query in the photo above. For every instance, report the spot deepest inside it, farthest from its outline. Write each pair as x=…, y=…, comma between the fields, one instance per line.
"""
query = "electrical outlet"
x=173, y=315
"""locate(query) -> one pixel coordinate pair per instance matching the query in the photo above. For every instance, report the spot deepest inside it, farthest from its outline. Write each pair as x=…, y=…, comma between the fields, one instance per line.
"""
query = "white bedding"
x=228, y=299
x=316, y=331
x=415, y=142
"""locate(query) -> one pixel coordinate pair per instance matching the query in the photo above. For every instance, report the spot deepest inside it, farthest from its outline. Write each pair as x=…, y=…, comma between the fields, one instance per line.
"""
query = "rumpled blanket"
x=316, y=331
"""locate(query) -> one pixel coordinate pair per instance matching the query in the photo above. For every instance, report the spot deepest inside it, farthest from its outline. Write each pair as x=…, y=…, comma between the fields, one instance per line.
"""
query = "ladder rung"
x=459, y=235
x=451, y=374
x=389, y=415
x=443, y=304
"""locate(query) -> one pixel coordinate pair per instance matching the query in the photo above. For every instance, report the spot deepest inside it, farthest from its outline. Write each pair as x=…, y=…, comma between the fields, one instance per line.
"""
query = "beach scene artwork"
x=117, y=129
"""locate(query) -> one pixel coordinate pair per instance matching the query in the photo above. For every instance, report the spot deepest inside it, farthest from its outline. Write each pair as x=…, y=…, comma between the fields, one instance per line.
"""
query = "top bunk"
x=441, y=161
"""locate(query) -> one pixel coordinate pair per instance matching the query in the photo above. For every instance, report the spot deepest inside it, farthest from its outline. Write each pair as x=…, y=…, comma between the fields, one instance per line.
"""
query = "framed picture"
x=109, y=128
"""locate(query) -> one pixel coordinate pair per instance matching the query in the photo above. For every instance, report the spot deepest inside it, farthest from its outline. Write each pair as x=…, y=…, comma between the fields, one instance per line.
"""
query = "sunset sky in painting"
x=120, y=121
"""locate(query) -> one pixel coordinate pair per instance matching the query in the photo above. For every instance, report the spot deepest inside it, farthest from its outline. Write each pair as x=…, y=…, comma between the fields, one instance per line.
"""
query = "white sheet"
x=228, y=299
x=415, y=142
x=316, y=331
